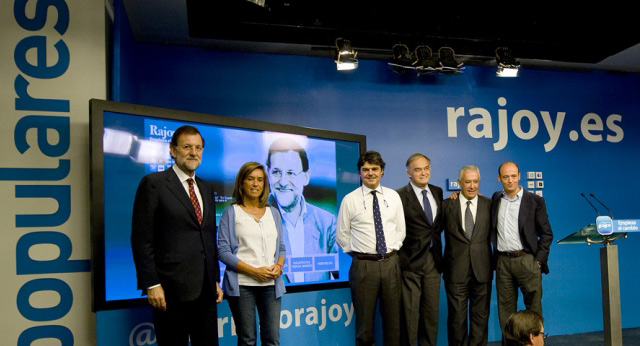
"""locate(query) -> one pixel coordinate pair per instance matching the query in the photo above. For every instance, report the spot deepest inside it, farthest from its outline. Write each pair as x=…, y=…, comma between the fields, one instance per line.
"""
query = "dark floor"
x=630, y=337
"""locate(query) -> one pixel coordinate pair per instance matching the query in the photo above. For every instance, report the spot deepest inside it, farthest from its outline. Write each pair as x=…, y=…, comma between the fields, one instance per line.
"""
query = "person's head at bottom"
x=524, y=327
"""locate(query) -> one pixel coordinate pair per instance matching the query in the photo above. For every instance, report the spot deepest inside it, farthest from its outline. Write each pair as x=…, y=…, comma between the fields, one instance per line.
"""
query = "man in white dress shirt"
x=371, y=228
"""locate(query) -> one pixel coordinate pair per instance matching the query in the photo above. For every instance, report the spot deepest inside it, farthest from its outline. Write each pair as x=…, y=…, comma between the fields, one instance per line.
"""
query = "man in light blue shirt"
x=521, y=237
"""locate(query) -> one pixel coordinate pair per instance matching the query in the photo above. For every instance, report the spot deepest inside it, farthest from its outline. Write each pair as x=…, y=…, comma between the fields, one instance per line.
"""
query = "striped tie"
x=194, y=200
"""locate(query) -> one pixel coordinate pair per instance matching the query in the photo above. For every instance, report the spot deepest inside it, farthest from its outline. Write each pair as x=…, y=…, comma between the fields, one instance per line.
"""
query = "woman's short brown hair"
x=243, y=173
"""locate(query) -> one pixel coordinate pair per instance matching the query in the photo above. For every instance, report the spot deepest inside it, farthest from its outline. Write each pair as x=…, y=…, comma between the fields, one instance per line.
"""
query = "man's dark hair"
x=184, y=130
x=284, y=144
x=371, y=157
x=520, y=326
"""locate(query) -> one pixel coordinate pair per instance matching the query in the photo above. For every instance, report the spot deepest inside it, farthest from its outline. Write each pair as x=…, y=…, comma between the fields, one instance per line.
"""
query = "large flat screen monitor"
x=129, y=141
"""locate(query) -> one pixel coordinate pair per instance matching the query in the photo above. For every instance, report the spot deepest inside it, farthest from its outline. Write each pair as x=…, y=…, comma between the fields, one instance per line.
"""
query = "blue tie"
x=427, y=207
x=381, y=245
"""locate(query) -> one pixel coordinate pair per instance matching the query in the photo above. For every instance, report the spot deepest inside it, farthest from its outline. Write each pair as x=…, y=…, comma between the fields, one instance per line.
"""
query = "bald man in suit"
x=467, y=261
x=522, y=238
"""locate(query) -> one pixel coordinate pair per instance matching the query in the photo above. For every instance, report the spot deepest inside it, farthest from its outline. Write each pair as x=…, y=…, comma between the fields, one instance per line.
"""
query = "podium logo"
x=604, y=224
x=143, y=335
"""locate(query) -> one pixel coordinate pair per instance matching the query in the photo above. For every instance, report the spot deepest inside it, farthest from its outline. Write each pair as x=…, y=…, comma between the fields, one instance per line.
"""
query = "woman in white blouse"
x=250, y=244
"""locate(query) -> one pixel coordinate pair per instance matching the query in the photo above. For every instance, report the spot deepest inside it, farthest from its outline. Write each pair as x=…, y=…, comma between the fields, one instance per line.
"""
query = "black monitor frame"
x=96, y=127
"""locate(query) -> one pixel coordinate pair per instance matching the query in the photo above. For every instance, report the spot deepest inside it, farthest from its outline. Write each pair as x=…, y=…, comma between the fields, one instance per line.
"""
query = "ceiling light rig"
x=424, y=62
x=345, y=55
x=448, y=62
x=401, y=59
x=508, y=66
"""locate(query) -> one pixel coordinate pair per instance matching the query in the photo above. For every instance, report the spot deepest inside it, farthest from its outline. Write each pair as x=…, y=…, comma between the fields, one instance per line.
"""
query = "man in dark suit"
x=521, y=237
x=467, y=261
x=173, y=237
x=421, y=253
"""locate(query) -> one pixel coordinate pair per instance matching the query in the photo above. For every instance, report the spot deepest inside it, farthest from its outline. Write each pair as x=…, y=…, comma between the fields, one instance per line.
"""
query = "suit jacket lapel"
x=415, y=203
x=204, y=193
x=525, y=209
x=481, y=218
x=495, y=206
x=457, y=214
x=438, y=203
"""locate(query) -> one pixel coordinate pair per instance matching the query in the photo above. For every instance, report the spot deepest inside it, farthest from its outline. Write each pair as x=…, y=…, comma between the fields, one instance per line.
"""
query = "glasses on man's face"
x=277, y=174
x=187, y=148
x=544, y=335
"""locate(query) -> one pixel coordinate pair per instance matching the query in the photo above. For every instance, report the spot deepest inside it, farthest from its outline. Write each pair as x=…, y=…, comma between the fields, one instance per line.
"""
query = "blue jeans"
x=243, y=309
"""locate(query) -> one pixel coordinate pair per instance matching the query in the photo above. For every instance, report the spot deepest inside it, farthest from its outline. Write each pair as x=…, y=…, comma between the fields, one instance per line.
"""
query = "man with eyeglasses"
x=524, y=327
x=173, y=237
x=308, y=230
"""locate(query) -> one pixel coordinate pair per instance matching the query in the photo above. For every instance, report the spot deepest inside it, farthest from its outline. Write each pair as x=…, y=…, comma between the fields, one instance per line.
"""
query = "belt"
x=512, y=253
x=372, y=257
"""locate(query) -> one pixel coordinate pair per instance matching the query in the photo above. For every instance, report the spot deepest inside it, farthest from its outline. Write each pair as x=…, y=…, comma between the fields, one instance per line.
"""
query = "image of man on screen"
x=308, y=230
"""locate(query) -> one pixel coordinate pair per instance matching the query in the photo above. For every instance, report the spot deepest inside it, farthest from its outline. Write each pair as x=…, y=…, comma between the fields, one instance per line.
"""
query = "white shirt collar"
x=302, y=203
x=418, y=190
x=182, y=176
x=518, y=195
x=464, y=200
x=367, y=190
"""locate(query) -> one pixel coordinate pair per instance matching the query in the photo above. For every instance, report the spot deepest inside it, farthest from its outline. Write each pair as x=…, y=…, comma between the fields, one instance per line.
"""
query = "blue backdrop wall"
x=579, y=129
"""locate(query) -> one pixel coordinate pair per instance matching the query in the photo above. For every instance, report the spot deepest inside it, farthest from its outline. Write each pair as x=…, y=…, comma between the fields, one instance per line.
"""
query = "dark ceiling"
x=532, y=34
x=311, y=27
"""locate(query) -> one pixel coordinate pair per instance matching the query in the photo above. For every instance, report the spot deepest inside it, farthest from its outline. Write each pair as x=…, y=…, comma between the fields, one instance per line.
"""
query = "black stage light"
x=447, y=61
x=401, y=60
x=345, y=55
x=424, y=61
x=508, y=65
